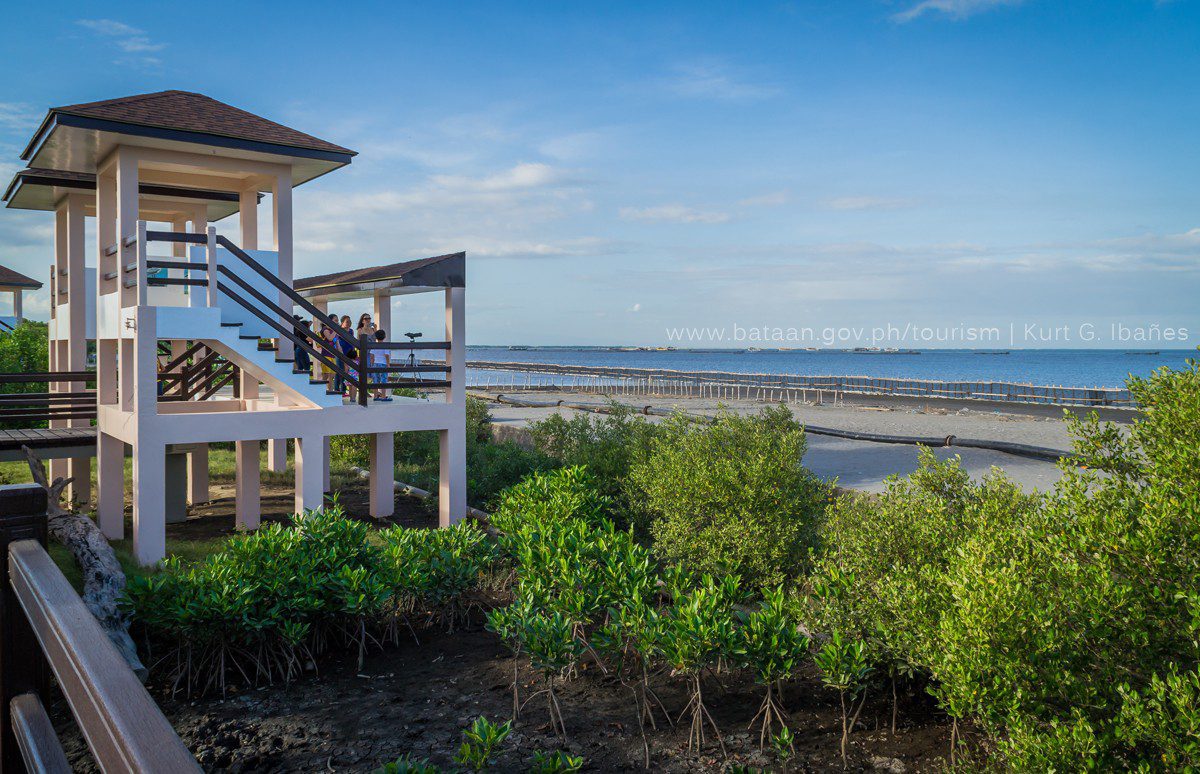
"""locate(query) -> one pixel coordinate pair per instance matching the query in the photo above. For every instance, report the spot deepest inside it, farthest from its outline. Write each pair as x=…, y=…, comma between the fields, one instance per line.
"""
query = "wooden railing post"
x=22, y=665
x=211, y=256
x=142, y=277
x=364, y=363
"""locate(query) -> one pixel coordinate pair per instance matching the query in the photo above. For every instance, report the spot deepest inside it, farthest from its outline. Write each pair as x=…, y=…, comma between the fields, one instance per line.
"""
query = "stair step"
x=248, y=338
x=231, y=325
x=318, y=381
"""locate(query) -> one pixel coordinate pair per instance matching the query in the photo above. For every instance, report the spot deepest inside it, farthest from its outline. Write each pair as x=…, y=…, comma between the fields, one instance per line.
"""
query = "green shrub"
x=1067, y=625
x=275, y=599
x=480, y=740
x=606, y=444
x=493, y=467
x=881, y=576
x=731, y=496
x=557, y=762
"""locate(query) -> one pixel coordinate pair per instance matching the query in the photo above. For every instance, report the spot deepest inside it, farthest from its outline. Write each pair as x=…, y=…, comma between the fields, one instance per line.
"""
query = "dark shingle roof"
x=439, y=271
x=190, y=112
x=17, y=279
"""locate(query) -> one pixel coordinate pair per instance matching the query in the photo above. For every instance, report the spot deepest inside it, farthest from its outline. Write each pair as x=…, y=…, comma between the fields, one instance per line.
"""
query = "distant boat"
x=986, y=352
x=518, y=348
x=1144, y=352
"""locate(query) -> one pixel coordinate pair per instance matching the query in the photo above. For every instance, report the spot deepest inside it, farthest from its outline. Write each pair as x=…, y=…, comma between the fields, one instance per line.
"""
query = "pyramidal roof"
x=186, y=111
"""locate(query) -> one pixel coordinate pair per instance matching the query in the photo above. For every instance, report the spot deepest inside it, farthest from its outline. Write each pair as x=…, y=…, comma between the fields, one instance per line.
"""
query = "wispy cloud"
x=868, y=203
x=772, y=199
x=715, y=81
x=17, y=116
x=955, y=9
x=134, y=42
x=672, y=213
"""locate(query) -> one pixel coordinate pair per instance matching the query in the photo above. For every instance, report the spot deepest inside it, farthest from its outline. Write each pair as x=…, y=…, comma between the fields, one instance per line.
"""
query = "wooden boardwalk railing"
x=45, y=630
x=774, y=387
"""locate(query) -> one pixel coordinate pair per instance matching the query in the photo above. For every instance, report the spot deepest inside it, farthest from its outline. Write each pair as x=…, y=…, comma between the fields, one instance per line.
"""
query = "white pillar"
x=149, y=502
x=79, y=468
x=248, y=506
x=149, y=455
x=325, y=487
x=310, y=494
x=248, y=217
x=383, y=475
x=383, y=315
x=197, y=475
x=452, y=441
x=17, y=311
x=110, y=486
x=281, y=235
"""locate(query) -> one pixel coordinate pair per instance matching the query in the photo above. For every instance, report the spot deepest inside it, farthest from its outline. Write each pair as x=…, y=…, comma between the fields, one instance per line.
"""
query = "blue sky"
x=615, y=170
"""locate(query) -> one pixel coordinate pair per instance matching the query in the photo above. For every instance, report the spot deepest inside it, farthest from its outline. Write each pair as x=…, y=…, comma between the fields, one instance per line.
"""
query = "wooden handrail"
x=48, y=376
x=175, y=236
x=122, y=725
x=40, y=748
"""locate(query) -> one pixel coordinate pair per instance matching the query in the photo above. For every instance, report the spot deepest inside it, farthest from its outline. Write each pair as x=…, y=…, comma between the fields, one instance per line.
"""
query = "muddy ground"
x=417, y=697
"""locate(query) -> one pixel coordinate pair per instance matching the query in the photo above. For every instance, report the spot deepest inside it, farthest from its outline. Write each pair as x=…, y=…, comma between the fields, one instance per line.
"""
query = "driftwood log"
x=103, y=578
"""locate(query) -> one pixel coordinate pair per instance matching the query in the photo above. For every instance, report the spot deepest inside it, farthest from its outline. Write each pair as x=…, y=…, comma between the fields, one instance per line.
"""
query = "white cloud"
x=130, y=40
x=955, y=9
x=18, y=117
x=520, y=177
x=712, y=80
x=635, y=308
x=868, y=203
x=672, y=213
x=772, y=199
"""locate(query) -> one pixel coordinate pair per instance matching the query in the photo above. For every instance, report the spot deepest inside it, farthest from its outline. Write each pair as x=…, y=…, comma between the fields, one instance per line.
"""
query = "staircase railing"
x=356, y=370
x=200, y=379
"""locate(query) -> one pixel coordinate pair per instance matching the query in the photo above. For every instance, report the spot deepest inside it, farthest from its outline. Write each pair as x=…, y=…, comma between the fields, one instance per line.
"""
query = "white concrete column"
x=248, y=508
x=18, y=312
x=452, y=441
x=149, y=502
x=281, y=236
x=383, y=315
x=79, y=468
x=277, y=453
x=310, y=493
x=325, y=487
x=110, y=486
x=248, y=217
x=149, y=454
x=197, y=475
x=383, y=475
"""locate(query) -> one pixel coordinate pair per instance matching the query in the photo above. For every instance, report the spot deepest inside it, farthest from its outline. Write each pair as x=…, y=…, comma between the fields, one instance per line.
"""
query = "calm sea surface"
x=1069, y=367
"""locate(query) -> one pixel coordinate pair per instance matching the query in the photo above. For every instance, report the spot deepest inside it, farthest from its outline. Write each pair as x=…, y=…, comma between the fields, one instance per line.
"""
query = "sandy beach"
x=859, y=464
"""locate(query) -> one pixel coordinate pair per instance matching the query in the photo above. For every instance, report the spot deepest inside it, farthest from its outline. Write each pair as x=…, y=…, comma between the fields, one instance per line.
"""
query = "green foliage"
x=769, y=643
x=543, y=499
x=407, y=764
x=731, y=496
x=882, y=576
x=276, y=598
x=480, y=741
x=557, y=762
x=24, y=349
x=493, y=467
x=1066, y=624
x=606, y=444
